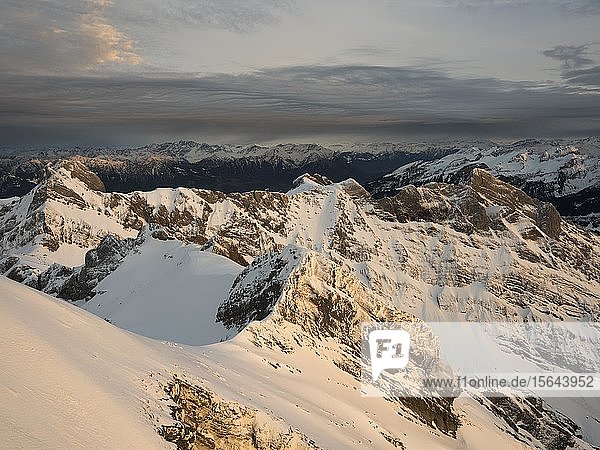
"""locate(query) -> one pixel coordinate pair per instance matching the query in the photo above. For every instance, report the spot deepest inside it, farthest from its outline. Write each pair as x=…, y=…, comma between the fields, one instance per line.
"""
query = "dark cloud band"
x=358, y=102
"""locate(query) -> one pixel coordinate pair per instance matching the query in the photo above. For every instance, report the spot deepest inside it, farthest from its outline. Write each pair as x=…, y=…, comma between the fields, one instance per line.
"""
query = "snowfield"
x=68, y=379
x=167, y=290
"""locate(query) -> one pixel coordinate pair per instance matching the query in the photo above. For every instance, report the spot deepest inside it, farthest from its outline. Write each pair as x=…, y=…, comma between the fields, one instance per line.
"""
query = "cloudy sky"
x=127, y=72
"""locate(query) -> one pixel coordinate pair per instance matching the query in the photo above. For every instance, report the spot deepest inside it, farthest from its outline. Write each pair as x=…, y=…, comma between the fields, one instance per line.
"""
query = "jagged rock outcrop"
x=206, y=421
x=256, y=290
x=484, y=204
x=99, y=263
x=565, y=174
x=22, y=272
x=554, y=430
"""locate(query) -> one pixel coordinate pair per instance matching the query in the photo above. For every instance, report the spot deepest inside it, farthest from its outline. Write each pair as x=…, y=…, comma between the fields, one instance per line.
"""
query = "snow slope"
x=167, y=290
x=563, y=167
x=68, y=379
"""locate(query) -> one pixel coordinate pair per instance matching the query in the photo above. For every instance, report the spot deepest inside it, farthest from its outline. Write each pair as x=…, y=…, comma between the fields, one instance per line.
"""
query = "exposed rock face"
x=495, y=192
x=564, y=174
x=99, y=263
x=555, y=431
x=22, y=273
x=7, y=264
x=256, y=291
x=484, y=204
x=53, y=281
x=435, y=203
x=328, y=304
x=255, y=224
x=206, y=421
x=81, y=173
x=548, y=219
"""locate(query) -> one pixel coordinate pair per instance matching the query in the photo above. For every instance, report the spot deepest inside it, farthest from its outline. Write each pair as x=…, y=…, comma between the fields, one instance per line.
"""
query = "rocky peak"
x=486, y=203
x=308, y=181
x=354, y=189
x=495, y=192
x=79, y=171
x=552, y=171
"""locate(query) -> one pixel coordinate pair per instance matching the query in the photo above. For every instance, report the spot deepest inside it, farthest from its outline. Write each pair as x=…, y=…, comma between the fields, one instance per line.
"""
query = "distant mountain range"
x=567, y=174
x=563, y=172
x=215, y=167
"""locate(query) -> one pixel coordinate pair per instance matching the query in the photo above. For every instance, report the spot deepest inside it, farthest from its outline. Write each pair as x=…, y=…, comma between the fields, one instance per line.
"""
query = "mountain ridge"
x=314, y=263
x=560, y=174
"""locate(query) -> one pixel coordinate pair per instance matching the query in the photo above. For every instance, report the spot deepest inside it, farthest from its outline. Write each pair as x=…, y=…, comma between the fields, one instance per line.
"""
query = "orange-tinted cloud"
x=57, y=37
x=111, y=45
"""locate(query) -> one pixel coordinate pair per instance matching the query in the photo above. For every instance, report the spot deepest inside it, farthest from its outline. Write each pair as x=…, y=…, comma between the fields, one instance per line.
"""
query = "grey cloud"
x=236, y=15
x=581, y=7
x=354, y=102
x=570, y=56
x=233, y=15
x=70, y=36
x=574, y=64
x=589, y=77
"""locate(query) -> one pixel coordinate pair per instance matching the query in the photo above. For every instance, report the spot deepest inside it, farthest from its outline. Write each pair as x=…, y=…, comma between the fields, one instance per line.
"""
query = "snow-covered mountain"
x=566, y=174
x=71, y=379
x=288, y=278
